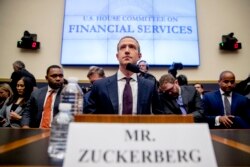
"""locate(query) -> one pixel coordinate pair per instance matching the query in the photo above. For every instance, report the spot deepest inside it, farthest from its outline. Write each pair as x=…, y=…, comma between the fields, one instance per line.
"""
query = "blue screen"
x=166, y=30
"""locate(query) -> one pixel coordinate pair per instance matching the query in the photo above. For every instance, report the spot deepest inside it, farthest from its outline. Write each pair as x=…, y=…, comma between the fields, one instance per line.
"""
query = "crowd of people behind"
x=22, y=104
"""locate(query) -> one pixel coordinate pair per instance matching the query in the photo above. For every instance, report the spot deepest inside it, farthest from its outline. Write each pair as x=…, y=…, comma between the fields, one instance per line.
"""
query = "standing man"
x=178, y=99
x=225, y=108
x=19, y=72
x=124, y=92
x=43, y=103
x=144, y=67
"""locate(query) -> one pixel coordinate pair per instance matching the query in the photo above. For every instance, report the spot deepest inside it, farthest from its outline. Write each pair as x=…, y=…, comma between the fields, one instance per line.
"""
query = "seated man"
x=225, y=108
x=35, y=113
x=95, y=73
x=178, y=99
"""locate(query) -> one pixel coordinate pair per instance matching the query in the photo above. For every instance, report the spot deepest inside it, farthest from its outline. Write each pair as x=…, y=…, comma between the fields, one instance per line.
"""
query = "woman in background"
x=12, y=111
x=5, y=93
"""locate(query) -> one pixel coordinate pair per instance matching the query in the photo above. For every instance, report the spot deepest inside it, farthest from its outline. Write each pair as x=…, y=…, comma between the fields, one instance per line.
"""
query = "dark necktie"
x=227, y=105
x=127, y=103
x=181, y=105
x=46, y=116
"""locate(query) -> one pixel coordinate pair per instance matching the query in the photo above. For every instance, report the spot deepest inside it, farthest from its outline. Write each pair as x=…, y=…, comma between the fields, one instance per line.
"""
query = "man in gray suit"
x=33, y=112
x=178, y=99
x=107, y=95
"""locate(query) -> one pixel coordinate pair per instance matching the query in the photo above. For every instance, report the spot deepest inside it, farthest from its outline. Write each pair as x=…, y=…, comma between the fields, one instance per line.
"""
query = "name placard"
x=139, y=145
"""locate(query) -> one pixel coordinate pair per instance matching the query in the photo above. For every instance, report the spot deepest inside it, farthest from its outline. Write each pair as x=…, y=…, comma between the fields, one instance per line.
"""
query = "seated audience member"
x=19, y=72
x=199, y=88
x=243, y=87
x=44, y=102
x=124, y=92
x=178, y=99
x=12, y=111
x=182, y=79
x=225, y=108
x=5, y=93
x=95, y=73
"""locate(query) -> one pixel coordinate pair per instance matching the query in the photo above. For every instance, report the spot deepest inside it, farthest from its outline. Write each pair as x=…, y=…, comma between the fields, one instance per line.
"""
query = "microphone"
x=133, y=68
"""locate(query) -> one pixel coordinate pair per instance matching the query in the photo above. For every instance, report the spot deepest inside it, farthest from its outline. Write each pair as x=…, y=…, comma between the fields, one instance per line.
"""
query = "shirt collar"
x=49, y=89
x=121, y=76
x=222, y=93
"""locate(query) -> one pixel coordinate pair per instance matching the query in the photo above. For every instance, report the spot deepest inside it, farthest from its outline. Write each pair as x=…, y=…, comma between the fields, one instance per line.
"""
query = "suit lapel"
x=219, y=102
x=141, y=88
x=233, y=103
x=185, y=94
x=112, y=88
x=56, y=103
x=41, y=98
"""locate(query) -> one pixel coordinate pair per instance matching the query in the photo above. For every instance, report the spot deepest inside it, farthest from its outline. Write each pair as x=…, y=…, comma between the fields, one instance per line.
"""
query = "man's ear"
x=176, y=82
x=46, y=77
x=140, y=56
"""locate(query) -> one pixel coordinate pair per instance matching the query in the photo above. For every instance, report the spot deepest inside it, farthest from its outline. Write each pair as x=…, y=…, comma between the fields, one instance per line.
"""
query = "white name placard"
x=139, y=145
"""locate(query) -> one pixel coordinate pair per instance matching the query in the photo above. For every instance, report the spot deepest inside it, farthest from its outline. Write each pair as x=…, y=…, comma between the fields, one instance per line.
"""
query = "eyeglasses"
x=169, y=89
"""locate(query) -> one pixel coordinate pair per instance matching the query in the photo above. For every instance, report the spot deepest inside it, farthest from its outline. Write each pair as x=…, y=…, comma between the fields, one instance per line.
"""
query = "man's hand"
x=226, y=120
x=25, y=126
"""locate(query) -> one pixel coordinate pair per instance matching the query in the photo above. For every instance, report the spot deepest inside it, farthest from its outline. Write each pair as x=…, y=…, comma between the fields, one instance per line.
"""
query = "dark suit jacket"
x=213, y=106
x=191, y=101
x=32, y=113
x=103, y=98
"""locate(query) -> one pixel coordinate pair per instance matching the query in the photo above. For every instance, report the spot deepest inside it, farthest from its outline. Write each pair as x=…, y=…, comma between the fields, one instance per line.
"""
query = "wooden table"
x=28, y=147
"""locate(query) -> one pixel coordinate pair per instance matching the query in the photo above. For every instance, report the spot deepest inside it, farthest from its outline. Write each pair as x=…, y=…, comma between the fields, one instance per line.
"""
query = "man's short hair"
x=201, y=85
x=144, y=61
x=169, y=78
x=223, y=73
x=139, y=48
x=96, y=70
x=52, y=66
x=19, y=64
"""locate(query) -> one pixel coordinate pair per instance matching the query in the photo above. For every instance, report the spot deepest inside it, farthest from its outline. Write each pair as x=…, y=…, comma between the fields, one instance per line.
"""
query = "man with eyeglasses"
x=178, y=99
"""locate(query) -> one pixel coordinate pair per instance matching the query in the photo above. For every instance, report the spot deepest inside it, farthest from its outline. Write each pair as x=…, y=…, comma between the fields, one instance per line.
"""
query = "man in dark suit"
x=95, y=73
x=19, y=72
x=34, y=110
x=107, y=95
x=178, y=99
x=236, y=115
x=144, y=68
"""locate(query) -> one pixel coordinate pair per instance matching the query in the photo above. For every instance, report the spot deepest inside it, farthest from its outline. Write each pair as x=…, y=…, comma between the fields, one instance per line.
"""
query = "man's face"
x=199, y=88
x=15, y=68
x=171, y=89
x=227, y=82
x=128, y=52
x=94, y=77
x=55, y=78
x=143, y=66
